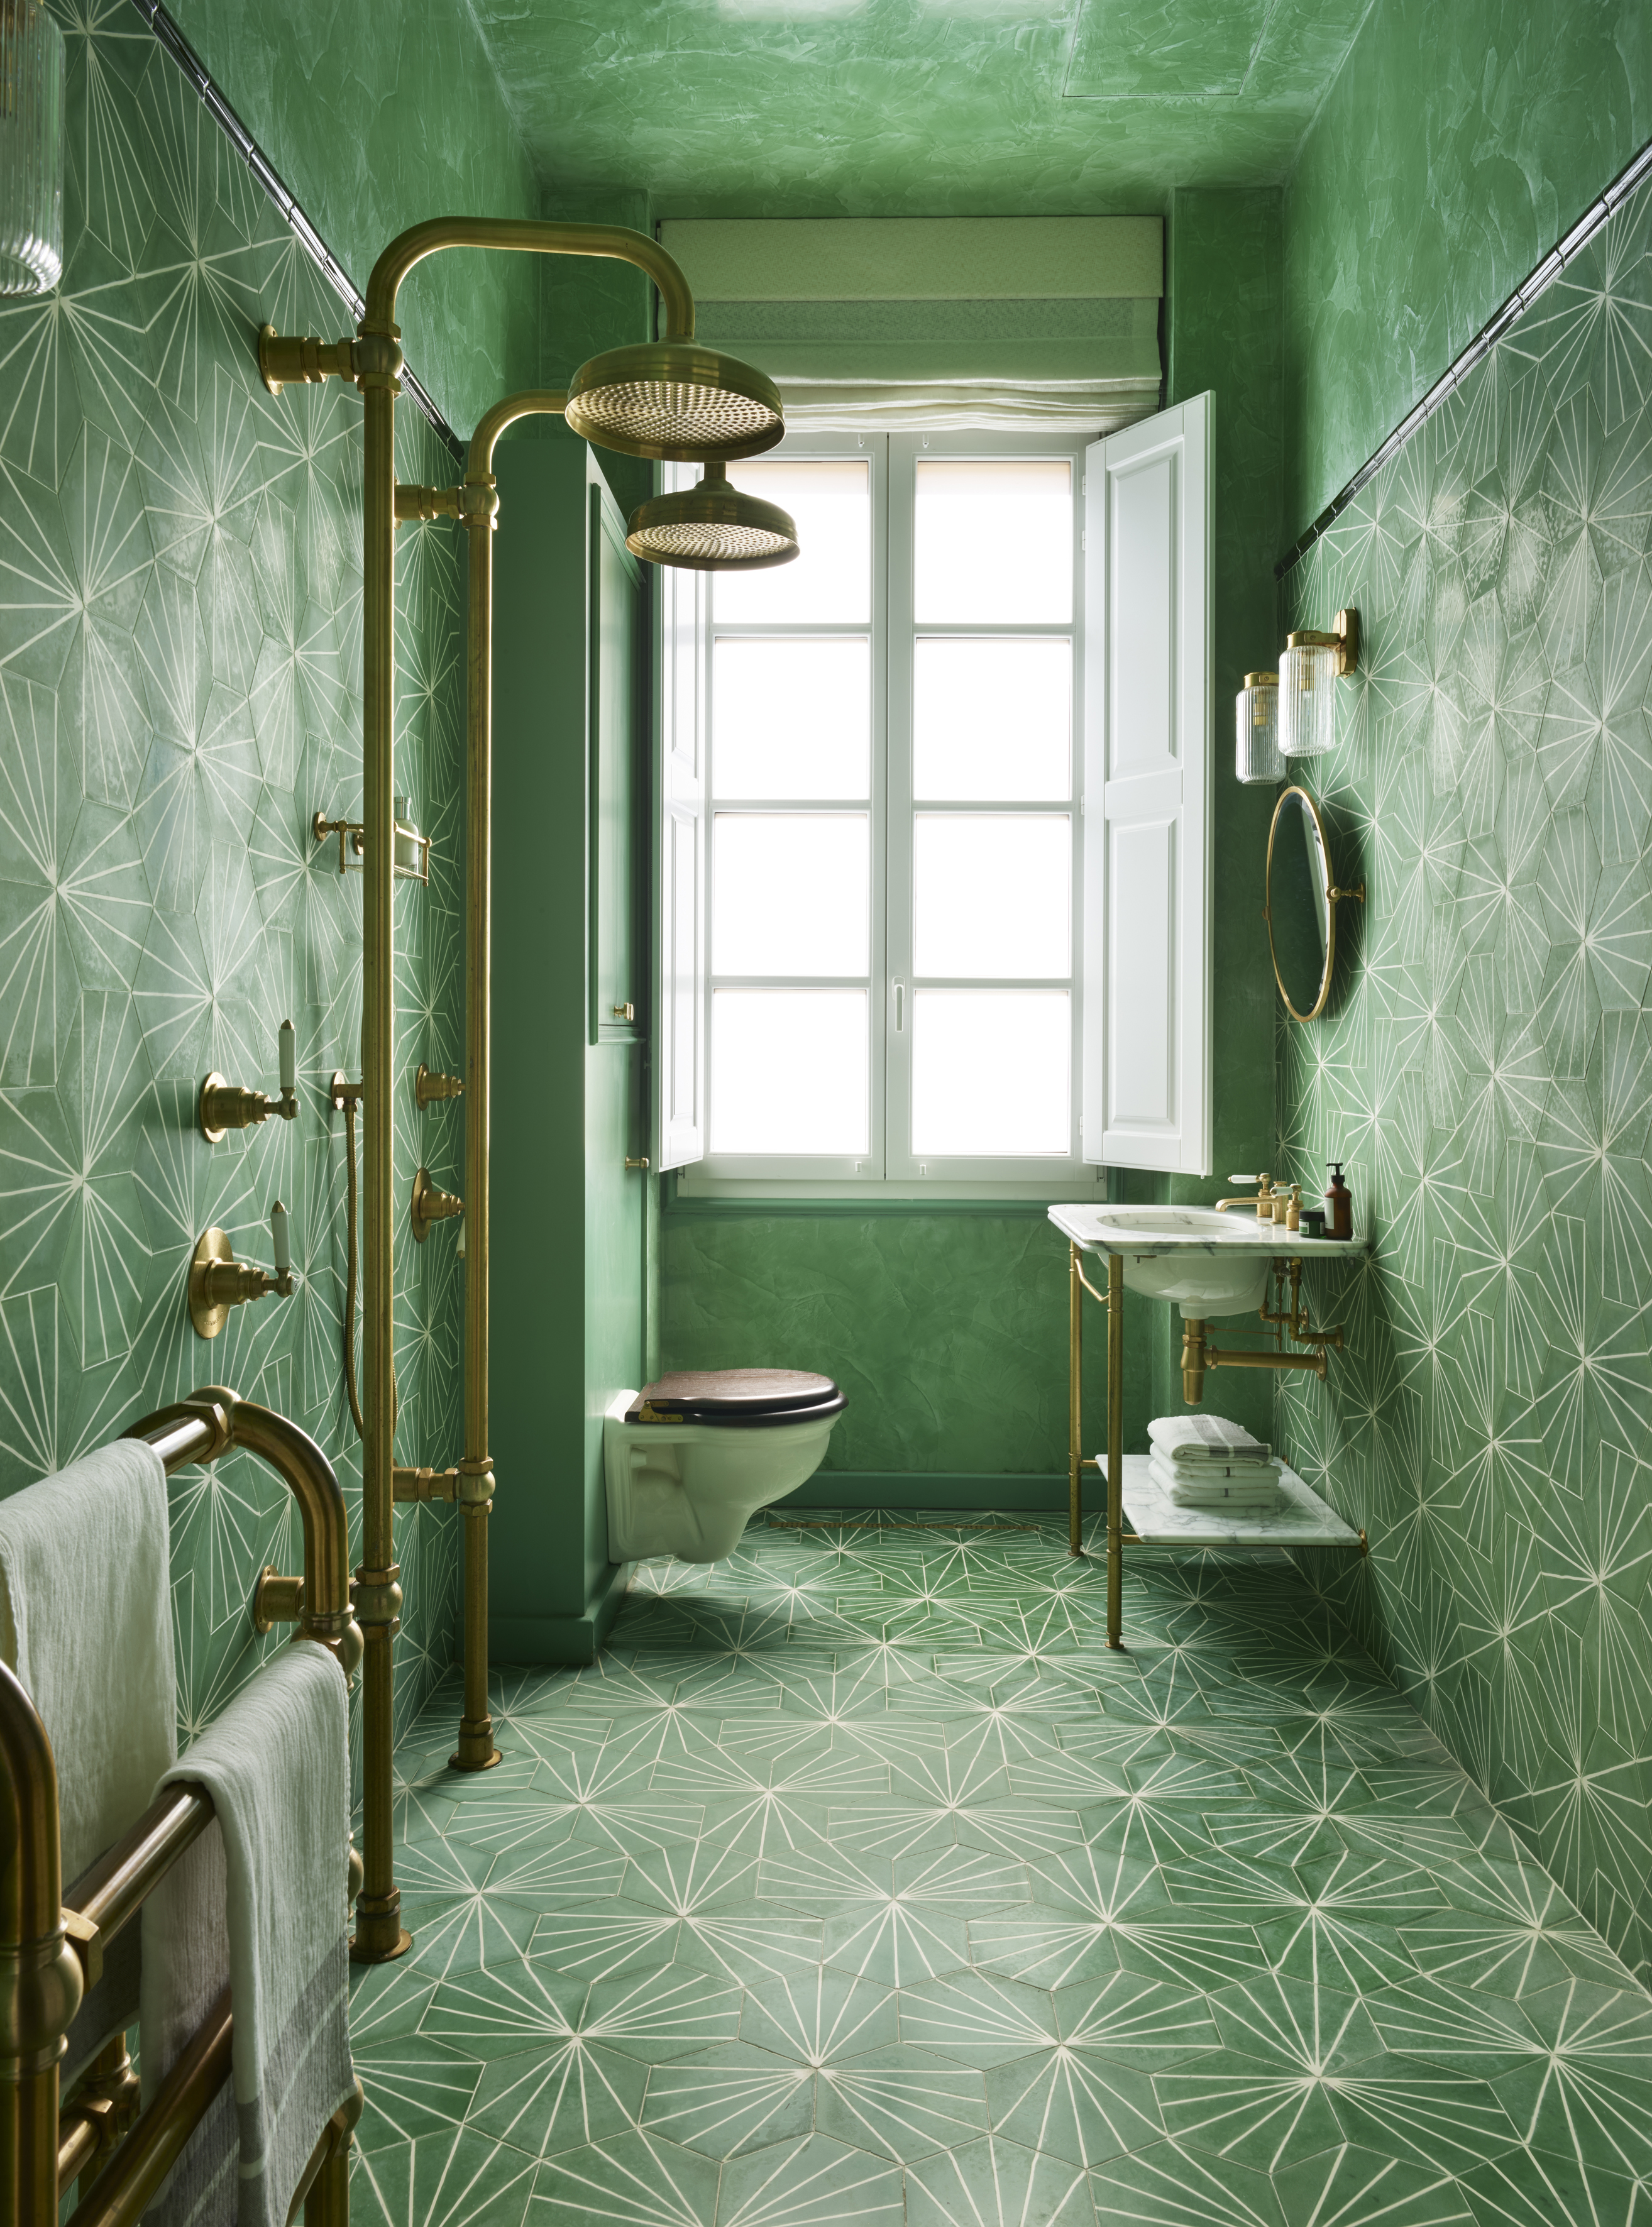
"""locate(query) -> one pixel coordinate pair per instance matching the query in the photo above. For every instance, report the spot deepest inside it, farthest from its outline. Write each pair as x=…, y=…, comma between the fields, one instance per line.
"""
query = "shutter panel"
x=1147, y=774
x=680, y=1040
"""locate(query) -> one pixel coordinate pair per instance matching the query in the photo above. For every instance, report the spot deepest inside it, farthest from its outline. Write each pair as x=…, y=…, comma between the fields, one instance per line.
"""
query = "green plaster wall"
x=567, y=1260
x=1454, y=148
x=377, y=119
x=180, y=690
x=1486, y=1068
x=947, y=1332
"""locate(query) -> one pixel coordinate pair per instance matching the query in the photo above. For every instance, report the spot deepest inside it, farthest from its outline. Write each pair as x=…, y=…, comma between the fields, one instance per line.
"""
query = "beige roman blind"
x=937, y=322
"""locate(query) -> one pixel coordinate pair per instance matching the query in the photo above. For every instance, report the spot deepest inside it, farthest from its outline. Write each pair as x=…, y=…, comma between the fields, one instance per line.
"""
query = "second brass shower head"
x=712, y=527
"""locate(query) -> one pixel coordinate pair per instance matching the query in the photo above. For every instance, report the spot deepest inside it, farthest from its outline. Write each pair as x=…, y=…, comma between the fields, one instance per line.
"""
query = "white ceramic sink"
x=1208, y=1264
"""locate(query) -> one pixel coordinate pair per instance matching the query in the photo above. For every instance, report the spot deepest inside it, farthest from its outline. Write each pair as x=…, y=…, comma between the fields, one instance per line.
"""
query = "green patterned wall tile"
x=375, y=123
x=1485, y=1065
x=180, y=660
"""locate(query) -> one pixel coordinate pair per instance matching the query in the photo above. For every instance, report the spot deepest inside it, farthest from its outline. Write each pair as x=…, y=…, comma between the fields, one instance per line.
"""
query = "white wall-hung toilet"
x=691, y=1457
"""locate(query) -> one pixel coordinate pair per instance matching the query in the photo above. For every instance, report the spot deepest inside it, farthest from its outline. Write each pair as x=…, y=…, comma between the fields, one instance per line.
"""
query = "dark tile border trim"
x=1634, y=173
x=212, y=99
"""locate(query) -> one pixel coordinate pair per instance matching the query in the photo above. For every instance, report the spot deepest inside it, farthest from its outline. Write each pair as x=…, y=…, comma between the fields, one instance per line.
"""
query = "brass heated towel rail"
x=51, y=1955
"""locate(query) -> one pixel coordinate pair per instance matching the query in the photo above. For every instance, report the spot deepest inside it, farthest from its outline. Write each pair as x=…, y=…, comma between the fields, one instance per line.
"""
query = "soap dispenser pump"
x=1339, y=1204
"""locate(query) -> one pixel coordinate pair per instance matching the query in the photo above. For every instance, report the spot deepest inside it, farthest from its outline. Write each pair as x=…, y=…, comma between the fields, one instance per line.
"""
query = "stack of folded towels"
x=1203, y=1461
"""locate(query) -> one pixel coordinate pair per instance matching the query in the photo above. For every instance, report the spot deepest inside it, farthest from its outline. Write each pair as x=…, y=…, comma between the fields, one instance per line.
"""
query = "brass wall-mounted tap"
x=223, y=1105
x=218, y=1281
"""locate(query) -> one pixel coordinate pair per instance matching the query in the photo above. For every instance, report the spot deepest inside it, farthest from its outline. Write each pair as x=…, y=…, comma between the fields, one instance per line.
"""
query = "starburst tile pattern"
x=1486, y=1067
x=859, y=1880
x=180, y=690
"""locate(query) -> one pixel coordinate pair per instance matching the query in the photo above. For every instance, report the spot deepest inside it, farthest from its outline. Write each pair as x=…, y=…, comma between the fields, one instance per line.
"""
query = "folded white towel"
x=259, y=1900
x=1204, y=1438
x=1258, y=1490
x=85, y=1620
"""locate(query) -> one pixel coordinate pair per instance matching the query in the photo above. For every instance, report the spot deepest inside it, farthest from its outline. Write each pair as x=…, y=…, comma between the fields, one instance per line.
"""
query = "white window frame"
x=888, y=1170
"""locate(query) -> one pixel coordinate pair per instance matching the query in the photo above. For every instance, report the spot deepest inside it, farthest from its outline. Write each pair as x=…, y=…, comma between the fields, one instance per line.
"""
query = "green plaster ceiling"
x=888, y=107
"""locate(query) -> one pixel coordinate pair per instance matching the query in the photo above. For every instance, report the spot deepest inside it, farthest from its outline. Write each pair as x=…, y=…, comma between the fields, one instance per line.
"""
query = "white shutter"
x=680, y=1034
x=1147, y=774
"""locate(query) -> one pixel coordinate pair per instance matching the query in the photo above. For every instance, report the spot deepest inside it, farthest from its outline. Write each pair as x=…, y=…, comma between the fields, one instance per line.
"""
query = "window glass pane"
x=790, y=893
x=992, y=718
x=991, y=1072
x=789, y=1071
x=994, y=541
x=831, y=582
x=792, y=719
x=992, y=893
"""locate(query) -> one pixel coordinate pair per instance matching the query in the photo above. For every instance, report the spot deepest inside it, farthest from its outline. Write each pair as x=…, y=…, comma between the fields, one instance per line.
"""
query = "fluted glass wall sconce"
x=31, y=149
x=1256, y=712
x=1312, y=664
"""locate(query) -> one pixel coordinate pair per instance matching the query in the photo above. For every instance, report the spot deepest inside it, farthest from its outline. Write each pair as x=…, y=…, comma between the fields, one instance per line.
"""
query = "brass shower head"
x=676, y=401
x=711, y=528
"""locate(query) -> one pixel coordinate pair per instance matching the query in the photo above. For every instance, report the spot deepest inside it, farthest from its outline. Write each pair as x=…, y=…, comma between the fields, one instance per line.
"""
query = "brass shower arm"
x=528, y=236
x=415, y=503
x=533, y=401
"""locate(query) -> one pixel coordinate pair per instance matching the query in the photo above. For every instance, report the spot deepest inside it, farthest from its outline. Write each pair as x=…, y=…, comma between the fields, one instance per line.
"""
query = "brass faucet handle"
x=430, y=1087
x=430, y=1204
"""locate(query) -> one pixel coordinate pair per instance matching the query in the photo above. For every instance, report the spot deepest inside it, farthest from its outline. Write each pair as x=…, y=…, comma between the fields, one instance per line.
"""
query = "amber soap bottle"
x=1339, y=1204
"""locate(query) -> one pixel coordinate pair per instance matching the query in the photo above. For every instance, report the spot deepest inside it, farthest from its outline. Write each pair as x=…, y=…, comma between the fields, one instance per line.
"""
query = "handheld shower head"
x=711, y=528
x=676, y=401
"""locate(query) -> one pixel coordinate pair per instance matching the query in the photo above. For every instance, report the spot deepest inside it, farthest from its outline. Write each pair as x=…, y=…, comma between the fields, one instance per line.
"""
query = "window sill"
x=714, y=1195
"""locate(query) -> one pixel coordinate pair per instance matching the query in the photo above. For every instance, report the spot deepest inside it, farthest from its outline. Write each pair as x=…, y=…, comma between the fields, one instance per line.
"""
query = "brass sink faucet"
x=1261, y=1199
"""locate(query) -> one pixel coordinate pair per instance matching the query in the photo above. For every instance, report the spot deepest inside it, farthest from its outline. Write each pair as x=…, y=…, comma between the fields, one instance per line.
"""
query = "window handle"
x=900, y=1007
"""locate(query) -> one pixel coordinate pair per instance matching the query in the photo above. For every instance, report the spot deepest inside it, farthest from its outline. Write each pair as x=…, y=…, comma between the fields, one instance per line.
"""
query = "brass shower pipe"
x=474, y=504
x=372, y=360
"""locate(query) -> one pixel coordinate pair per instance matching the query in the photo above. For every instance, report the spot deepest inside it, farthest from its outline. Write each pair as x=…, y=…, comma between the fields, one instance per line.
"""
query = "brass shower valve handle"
x=430, y=1087
x=429, y=1205
x=218, y=1281
x=223, y=1105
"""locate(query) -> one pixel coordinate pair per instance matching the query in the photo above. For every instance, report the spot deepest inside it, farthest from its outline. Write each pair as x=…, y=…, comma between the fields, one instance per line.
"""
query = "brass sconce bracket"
x=218, y=1281
x=431, y=1205
x=430, y=1087
x=1343, y=638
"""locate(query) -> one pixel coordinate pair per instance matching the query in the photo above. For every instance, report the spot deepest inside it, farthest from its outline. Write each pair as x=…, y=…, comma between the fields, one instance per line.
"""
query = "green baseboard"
x=876, y=1488
x=533, y=1639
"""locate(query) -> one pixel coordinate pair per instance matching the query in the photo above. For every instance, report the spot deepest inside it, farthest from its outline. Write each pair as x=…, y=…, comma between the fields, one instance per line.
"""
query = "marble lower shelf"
x=1302, y=1519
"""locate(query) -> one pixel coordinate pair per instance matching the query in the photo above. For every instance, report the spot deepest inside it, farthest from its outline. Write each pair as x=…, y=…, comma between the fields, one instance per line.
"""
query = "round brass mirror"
x=1301, y=905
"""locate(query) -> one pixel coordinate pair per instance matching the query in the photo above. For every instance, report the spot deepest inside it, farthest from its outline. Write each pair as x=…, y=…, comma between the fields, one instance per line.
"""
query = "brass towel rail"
x=49, y=1955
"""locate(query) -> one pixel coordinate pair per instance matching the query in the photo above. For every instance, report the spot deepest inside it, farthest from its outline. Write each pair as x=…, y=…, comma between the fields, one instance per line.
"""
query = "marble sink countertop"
x=1147, y=1229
